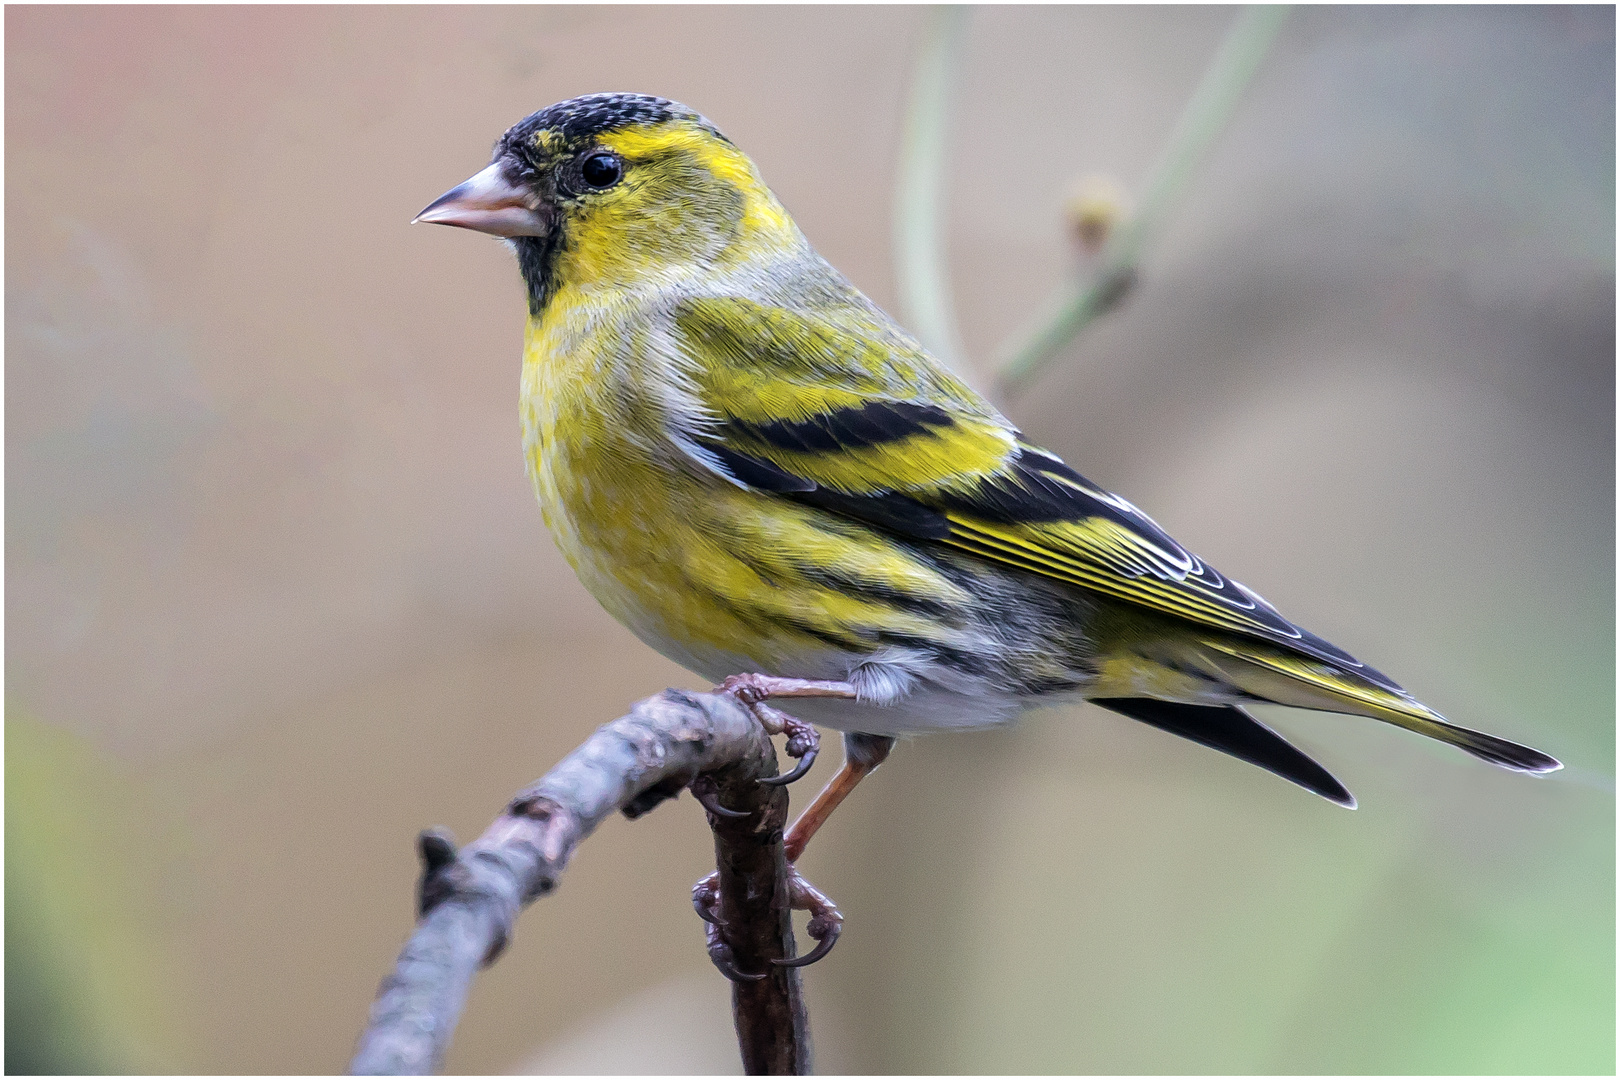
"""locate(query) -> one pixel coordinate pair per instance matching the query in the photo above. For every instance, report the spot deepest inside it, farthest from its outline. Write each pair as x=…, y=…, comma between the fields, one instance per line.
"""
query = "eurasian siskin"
x=756, y=470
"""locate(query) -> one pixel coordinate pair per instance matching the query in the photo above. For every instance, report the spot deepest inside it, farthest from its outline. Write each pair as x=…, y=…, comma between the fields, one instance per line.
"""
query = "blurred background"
x=278, y=594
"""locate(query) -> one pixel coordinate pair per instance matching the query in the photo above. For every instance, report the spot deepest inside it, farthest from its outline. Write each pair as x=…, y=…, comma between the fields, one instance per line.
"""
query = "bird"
x=771, y=482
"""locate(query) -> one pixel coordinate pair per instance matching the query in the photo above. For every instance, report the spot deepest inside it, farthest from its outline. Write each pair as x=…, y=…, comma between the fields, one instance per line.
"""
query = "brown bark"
x=468, y=900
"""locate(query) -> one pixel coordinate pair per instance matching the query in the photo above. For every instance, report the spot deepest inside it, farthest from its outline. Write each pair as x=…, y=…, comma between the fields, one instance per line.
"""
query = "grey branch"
x=469, y=899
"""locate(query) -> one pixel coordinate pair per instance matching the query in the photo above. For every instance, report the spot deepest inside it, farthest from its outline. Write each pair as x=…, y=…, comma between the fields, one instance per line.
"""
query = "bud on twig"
x=1095, y=207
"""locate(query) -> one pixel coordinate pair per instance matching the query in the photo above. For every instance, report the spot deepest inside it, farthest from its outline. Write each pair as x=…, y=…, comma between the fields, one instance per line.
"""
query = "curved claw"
x=720, y=955
x=702, y=909
x=823, y=947
x=709, y=799
x=729, y=970
x=798, y=772
x=705, y=897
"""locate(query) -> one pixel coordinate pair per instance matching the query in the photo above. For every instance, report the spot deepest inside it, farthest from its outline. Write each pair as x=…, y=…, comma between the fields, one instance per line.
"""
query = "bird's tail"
x=1289, y=679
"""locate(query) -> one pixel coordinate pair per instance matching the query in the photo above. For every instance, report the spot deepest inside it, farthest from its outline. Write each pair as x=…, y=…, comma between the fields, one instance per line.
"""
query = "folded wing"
x=858, y=420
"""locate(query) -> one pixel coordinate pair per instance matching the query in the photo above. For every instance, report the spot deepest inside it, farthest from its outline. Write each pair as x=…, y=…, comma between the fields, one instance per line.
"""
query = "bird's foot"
x=826, y=923
x=706, y=902
x=803, y=741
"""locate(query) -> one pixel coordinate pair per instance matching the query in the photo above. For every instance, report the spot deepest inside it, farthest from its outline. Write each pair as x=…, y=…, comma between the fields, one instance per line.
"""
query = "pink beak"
x=488, y=203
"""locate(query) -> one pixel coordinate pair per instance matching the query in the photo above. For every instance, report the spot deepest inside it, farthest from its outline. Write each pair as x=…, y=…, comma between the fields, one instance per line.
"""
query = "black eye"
x=601, y=170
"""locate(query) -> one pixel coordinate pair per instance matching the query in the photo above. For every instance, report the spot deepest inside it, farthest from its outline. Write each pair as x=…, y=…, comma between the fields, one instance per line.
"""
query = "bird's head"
x=616, y=189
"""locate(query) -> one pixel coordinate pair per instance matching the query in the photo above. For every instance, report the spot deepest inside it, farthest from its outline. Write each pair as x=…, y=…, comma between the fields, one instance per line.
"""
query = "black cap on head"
x=593, y=114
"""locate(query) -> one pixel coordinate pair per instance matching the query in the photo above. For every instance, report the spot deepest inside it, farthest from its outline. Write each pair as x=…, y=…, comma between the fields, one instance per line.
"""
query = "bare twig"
x=773, y=1029
x=1205, y=116
x=919, y=229
x=469, y=899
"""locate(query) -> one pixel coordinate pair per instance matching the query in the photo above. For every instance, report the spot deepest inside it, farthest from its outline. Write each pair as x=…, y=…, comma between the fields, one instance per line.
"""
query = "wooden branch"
x=773, y=1029
x=469, y=899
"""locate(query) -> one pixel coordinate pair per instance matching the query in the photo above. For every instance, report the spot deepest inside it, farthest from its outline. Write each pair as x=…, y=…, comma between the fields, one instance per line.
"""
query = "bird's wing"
x=859, y=421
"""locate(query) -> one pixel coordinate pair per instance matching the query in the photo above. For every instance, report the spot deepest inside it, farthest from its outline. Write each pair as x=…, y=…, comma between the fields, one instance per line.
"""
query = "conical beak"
x=488, y=203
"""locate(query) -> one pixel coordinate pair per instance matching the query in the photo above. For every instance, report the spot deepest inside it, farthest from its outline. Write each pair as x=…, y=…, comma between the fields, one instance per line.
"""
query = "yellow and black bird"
x=757, y=471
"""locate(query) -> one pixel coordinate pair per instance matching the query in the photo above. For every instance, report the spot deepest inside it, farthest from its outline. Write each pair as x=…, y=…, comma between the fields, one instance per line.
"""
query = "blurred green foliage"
x=84, y=980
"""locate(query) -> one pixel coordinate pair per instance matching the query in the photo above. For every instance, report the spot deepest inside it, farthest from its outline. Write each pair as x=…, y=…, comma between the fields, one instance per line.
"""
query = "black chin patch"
x=537, y=257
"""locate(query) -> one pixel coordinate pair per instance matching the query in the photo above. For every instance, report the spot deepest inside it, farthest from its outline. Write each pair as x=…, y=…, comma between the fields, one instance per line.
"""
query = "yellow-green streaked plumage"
x=755, y=469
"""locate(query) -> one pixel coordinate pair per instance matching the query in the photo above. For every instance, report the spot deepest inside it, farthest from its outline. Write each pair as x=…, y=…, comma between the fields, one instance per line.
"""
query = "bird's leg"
x=862, y=754
x=753, y=688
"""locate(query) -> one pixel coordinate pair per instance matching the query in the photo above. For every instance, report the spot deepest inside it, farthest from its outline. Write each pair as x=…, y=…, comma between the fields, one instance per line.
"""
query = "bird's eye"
x=601, y=170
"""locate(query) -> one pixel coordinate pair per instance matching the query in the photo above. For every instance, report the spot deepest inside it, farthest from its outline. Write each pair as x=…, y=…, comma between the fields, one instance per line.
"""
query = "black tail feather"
x=1497, y=751
x=1231, y=730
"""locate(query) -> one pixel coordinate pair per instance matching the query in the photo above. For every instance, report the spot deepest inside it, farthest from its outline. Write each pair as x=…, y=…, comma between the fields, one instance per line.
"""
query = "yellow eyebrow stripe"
x=716, y=156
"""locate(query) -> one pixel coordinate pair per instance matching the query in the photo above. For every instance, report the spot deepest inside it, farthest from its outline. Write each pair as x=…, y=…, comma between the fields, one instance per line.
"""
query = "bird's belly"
x=722, y=580
x=643, y=565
